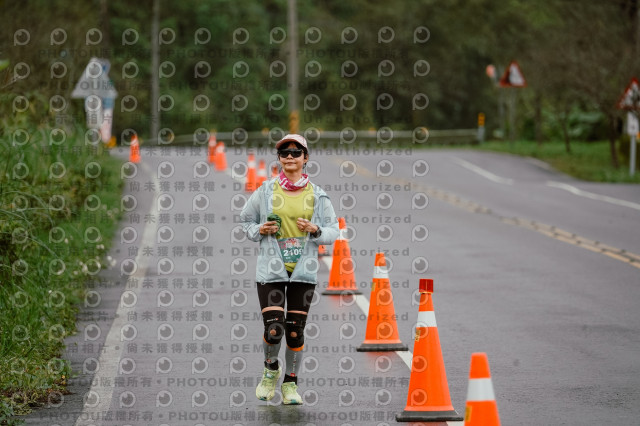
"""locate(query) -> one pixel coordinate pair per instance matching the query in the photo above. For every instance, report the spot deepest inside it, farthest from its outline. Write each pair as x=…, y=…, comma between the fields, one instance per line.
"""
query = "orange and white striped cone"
x=342, y=278
x=134, y=150
x=428, y=398
x=382, y=328
x=220, y=157
x=482, y=409
x=250, y=183
x=274, y=171
x=212, y=149
x=262, y=173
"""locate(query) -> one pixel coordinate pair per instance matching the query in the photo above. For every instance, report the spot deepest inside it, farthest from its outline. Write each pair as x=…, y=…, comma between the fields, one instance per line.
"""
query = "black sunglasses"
x=295, y=153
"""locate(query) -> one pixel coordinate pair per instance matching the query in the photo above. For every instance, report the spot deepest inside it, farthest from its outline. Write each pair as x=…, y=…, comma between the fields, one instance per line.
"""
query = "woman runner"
x=290, y=217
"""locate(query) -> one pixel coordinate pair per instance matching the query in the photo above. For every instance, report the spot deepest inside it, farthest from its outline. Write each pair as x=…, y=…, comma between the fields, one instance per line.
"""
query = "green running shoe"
x=290, y=394
x=267, y=387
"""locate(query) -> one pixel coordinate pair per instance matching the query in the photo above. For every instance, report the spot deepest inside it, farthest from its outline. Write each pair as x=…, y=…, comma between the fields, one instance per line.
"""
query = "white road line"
x=482, y=172
x=363, y=304
x=539, y=163
x=407, y=357
x=593, y=196
x=110, y=358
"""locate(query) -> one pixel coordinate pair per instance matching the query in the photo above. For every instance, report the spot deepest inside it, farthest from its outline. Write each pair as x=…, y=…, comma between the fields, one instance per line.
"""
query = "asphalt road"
x=534, y=268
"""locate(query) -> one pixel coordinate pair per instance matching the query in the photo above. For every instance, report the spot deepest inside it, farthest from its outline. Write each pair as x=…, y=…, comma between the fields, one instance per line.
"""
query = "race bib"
x=291, y=248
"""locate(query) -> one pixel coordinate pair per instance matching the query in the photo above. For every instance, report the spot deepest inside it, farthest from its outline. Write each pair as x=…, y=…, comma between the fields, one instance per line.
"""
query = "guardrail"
x=420, y=136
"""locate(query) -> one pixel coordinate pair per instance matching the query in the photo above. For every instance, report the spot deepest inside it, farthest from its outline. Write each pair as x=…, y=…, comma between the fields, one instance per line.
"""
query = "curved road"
x=538, y=270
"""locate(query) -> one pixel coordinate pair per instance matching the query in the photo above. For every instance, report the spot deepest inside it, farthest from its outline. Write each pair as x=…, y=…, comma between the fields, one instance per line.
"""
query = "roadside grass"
x=590, y=161
x=59, y=207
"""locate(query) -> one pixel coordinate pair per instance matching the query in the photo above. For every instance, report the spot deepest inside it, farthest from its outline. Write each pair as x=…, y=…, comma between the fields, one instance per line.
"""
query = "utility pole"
x=292, y=77
x=637, y=25
x=503, y=127
x=512, y=115
x=104, y=24
x=155, y=60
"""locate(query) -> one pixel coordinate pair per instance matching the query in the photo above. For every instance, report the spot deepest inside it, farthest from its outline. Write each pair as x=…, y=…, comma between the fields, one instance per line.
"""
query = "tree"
x=587, y=58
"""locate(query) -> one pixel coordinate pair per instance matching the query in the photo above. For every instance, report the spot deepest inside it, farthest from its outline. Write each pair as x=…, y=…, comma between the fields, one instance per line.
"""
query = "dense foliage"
x=219, y=61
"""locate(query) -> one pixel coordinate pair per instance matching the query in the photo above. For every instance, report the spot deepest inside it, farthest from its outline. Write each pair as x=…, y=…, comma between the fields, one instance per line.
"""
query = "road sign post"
x=632, y=160
x=632, y=130
x=512, y=114
x=512, y=79
x=480, y=127
x=630, y=101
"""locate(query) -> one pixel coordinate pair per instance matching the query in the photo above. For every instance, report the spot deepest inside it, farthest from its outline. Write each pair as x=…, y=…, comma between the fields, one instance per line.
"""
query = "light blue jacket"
x=270, y=267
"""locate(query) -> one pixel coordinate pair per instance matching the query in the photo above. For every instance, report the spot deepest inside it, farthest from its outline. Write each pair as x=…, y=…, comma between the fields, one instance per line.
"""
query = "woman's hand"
x=306, y=226
x=270, y=227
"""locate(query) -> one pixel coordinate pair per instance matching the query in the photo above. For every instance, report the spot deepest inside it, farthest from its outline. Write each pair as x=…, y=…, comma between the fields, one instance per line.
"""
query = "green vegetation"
x=207, y=46
x=588, y=160
x=59, y=207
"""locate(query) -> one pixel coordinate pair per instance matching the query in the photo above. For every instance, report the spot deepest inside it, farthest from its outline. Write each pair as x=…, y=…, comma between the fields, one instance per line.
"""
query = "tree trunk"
x=538, y=107
x=612, y=141
x=155, y=73
x=565, y=131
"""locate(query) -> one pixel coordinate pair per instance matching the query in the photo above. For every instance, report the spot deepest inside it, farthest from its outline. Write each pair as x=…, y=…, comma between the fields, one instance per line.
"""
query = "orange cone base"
x=339, y=292
x=429, y=416
x=382, y=347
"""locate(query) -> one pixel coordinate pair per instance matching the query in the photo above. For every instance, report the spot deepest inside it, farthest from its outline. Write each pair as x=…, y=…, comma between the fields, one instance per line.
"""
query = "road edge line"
x=108, y=361
x=592, y=195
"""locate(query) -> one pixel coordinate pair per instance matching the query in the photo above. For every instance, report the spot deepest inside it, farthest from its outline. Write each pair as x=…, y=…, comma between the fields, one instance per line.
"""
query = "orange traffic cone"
x=134, y=151
x=262, y=173
x=382, y=329
x=212, y=149
x=482, y=409
x=322, y=250
x=220, y=157
x=250, y=183
x=274, y=171
x=341, y=277
x=428, y=397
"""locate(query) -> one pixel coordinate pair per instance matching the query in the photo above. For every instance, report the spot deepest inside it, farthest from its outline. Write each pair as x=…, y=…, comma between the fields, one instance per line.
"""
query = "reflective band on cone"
x=480, y=390
x=380, y=272
x=481, y=409
x=426, y=319
x=220, y=157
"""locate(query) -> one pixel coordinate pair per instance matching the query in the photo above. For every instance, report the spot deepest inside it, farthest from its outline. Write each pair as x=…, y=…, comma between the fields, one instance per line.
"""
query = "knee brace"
x=294, y=324
x=273, y=326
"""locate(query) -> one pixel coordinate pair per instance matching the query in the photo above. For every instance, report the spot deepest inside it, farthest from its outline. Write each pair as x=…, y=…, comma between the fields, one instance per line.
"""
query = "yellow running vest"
x=290, y=208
